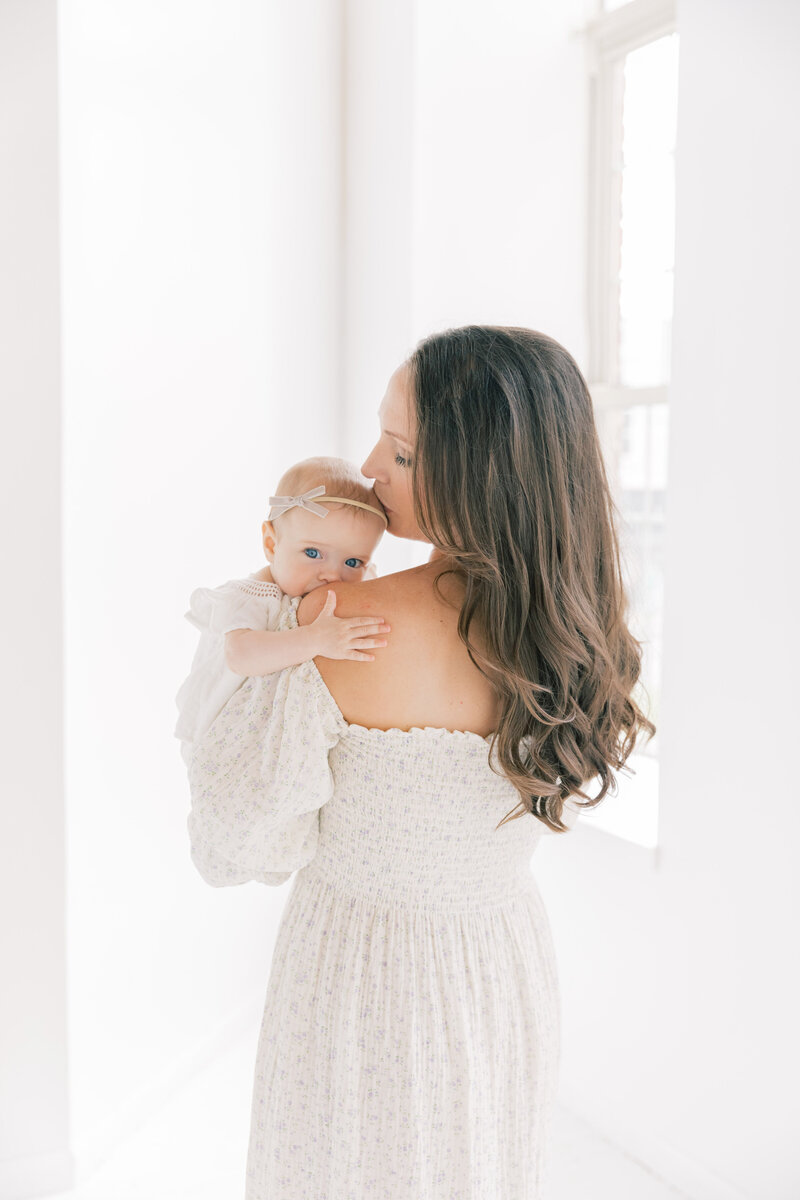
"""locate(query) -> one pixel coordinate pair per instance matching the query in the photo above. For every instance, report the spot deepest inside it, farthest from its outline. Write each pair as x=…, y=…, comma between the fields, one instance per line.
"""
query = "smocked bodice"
x=412, y=820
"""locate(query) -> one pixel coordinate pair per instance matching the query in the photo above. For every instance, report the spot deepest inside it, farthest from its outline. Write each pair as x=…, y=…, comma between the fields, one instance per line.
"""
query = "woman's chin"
x=397, y=527
x=405, y=527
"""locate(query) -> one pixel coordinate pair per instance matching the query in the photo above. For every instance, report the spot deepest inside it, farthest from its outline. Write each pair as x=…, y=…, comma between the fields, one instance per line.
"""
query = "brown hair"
x=509, y=481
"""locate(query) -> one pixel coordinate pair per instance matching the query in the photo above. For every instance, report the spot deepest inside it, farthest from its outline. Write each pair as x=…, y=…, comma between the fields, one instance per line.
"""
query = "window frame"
x=610, y=36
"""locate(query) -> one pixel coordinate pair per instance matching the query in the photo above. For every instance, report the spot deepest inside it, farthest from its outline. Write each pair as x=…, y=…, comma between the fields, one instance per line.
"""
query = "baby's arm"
x=262, y=651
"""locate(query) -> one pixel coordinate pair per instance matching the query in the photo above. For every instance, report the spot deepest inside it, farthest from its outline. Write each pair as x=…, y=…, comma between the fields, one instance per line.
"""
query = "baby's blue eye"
x=312, y=553
x=353, y=562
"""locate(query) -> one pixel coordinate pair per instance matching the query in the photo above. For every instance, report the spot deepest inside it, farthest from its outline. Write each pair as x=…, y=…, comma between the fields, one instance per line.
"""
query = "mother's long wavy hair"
x=509, y=481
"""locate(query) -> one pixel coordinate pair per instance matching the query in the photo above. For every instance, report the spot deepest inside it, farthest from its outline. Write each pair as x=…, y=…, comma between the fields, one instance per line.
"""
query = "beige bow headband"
x=280, y=504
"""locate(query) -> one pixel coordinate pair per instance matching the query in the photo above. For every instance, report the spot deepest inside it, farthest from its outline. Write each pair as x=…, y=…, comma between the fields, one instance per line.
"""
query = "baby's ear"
x=268, y=539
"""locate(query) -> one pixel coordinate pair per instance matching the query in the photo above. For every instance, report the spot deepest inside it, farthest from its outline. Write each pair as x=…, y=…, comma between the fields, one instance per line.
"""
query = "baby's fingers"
x=356, y=654
x=369, y=624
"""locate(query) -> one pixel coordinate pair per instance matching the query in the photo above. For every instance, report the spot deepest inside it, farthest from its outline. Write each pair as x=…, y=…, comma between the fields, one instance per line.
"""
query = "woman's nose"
x=368, y=467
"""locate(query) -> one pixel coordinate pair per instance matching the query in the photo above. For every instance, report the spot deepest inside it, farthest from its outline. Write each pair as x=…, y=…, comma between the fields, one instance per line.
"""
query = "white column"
x=34, y=1139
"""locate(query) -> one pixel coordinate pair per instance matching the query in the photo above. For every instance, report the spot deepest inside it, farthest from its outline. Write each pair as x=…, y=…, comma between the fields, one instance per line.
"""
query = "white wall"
x=34, y=1134
x=679, y=970
x=500, y=166
x=201, y=194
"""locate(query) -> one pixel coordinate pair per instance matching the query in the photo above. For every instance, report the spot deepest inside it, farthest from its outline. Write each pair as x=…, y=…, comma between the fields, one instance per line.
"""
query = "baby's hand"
x=346, y=637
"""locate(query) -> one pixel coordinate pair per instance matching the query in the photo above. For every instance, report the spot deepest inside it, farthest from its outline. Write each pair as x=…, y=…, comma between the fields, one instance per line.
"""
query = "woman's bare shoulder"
x=396, y=593
x=423, y=676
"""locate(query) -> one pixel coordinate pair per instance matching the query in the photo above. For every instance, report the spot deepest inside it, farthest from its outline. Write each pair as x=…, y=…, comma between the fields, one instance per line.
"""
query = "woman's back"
x=424, y=675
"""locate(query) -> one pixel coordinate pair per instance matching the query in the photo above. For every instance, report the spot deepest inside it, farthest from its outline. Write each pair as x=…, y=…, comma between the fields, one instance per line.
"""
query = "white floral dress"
x=410, y=1040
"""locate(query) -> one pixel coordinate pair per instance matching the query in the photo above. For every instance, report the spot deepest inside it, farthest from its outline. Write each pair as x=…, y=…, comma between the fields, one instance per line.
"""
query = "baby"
x=323, y=527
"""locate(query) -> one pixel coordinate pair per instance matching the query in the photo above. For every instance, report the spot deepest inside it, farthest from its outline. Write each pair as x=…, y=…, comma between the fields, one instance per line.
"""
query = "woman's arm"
x=263, y=651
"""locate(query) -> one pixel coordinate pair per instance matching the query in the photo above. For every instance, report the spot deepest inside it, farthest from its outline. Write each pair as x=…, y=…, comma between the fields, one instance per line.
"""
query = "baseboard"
x=142, y=1105
x=34, y=1175
x=655, y=1155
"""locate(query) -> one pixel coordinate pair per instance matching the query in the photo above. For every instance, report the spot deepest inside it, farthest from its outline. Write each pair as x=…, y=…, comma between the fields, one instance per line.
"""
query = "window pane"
x=647, y=212
x=634, y=441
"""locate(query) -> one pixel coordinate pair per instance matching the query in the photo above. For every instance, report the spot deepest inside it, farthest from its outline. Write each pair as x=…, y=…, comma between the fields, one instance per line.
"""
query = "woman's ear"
x=268, y=539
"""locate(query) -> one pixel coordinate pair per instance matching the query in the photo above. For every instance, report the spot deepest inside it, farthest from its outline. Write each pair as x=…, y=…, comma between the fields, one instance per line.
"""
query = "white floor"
x=169, y=1160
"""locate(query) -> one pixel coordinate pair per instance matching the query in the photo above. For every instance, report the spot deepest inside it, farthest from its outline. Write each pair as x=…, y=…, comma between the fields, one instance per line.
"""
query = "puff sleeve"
x=237, y=604
x=259, y=777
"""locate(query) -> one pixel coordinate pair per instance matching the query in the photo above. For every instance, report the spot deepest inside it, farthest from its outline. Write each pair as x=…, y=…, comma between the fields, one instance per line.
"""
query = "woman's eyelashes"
x=401, y=462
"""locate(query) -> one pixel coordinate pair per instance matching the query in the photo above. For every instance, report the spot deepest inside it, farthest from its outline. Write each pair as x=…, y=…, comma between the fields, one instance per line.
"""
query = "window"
x=634, y=61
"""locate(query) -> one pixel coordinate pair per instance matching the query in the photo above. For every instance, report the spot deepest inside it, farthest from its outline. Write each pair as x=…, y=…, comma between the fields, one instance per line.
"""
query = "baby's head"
x=304, y=549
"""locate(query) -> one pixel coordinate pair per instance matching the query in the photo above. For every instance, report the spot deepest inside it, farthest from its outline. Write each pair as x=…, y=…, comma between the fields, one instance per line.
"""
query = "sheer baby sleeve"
x=237, y=604
x=259, y=777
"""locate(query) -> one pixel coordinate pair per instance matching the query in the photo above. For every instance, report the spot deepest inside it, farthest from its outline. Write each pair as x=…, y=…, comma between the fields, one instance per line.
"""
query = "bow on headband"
x=281, y=503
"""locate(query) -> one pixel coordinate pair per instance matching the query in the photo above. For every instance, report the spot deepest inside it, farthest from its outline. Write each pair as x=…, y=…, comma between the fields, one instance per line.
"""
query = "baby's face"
x=305, y=550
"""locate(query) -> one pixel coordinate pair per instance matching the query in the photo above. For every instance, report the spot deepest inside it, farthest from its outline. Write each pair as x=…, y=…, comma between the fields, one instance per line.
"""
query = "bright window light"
x=647, y=212
x=635, y=102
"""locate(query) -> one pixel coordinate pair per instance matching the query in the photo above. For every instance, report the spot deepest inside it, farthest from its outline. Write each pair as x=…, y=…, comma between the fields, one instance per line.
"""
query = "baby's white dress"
x=409, y=1047
x=248, y=603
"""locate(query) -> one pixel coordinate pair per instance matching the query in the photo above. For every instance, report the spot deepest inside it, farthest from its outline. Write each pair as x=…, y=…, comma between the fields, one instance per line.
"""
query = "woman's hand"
x=345, y=637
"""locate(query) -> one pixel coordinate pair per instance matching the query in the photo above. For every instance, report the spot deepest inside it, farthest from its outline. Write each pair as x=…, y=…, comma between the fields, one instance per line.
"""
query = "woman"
x=410, y=1039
